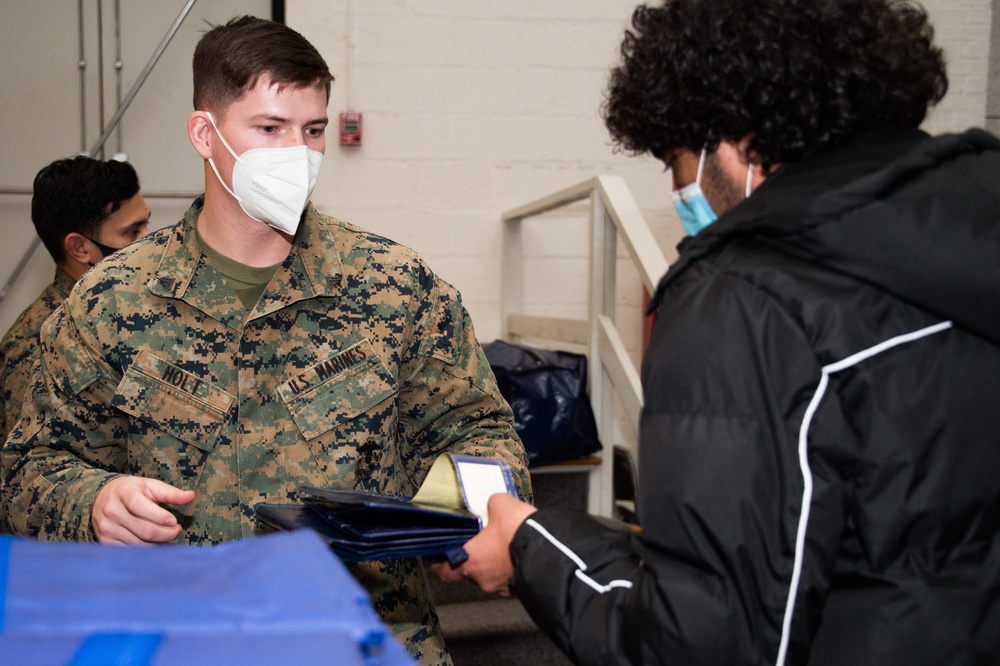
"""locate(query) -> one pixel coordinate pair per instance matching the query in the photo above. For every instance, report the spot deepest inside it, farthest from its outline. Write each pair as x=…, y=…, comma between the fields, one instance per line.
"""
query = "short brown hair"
x=230, y=58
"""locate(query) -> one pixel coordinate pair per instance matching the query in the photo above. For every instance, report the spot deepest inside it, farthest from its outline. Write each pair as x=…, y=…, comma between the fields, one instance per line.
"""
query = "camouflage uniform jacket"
x=19, y=348
x=18, y=351
x=356, y=369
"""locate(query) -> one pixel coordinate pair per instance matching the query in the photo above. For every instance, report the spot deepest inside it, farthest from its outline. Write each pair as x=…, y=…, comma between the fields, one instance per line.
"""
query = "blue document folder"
x=448, y=510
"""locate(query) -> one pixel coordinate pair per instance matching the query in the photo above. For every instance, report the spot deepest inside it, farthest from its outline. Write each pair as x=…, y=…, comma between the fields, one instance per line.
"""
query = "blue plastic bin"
x=277, y=599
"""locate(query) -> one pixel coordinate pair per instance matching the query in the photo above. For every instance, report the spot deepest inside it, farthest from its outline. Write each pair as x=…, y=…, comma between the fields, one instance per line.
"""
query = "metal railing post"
x=614, y=218
x=602, y=304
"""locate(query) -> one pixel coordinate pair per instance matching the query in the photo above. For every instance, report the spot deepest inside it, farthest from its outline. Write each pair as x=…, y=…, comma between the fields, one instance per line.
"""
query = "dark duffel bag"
x=547, y=390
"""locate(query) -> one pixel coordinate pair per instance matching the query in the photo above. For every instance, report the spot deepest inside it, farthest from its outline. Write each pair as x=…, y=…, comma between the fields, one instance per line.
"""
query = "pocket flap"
x=173, y=400
x=337, y=389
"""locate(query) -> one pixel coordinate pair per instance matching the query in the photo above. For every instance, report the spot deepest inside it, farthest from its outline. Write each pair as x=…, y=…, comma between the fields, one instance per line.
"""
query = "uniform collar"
x=63, y=283
x=312, y=269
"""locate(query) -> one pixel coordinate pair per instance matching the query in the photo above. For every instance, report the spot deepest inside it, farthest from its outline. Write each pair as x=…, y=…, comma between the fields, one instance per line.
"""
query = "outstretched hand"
x=489, y=564
x=127, y=511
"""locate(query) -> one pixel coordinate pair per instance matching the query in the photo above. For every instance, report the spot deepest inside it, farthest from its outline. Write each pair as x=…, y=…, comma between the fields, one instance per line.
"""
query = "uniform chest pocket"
x=337, y=389
x=172, y=400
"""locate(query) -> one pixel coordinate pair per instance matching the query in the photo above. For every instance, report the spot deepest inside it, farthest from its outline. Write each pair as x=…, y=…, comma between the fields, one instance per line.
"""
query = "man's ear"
x=199, y=132
x=757, y=175
x=743, y=149
x=77, y=247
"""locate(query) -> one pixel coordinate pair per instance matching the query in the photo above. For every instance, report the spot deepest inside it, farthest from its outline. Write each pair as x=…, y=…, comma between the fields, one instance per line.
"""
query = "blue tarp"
x=276, y=599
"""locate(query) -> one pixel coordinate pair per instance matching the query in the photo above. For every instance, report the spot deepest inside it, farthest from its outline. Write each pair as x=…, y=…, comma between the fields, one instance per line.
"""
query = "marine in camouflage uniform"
x=18, y=350
x=74, y=202
x=19, y=347
x=356, y=369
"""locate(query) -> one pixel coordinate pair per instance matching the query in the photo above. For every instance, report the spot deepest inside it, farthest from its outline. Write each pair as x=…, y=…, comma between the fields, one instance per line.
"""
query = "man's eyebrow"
x=325, y=120
x=266, y=117
x=142, y=220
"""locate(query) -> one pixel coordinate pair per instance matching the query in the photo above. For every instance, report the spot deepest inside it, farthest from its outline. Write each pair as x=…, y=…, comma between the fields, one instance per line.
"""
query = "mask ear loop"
x=211, y=163
x=219, y=134
x=749, y=179
x=701, y=165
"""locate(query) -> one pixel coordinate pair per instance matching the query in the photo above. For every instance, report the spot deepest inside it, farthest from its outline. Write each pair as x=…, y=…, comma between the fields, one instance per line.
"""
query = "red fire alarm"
x=350, y=129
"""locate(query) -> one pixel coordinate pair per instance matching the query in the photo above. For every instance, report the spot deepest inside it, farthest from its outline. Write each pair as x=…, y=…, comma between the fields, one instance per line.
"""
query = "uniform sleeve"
x=10, y=392
x=68, y=444
x=18, y=350
x=450, y=402
x=727, y=381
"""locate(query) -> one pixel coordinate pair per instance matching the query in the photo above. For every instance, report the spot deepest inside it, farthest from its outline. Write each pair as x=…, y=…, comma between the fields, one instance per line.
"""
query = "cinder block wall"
x=963, y=30
x=993, y=100
x=471, y=108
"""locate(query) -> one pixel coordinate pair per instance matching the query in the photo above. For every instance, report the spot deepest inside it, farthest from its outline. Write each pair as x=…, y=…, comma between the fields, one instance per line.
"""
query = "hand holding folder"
x=448, y=510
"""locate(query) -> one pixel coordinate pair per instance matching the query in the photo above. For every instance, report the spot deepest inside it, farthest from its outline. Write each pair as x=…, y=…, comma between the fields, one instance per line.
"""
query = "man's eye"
x=316, y=131
x=268, y=129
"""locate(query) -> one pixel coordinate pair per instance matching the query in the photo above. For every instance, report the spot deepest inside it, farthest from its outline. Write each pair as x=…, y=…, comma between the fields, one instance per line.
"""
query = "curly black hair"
x=77, y=194
x=794, y=76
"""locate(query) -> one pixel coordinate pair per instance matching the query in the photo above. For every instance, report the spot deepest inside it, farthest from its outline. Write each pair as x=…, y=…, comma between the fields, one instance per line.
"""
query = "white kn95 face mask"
x=272, y=185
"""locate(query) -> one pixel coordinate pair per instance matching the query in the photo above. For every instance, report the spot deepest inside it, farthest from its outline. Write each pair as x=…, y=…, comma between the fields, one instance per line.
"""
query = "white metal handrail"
x=614, y=216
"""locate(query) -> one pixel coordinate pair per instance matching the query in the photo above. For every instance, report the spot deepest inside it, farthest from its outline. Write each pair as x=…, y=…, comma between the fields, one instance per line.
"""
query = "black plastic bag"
x=547, y=390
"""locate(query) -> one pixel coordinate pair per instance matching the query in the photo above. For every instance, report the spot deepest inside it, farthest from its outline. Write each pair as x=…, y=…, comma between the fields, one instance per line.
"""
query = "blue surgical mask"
x=691, y=204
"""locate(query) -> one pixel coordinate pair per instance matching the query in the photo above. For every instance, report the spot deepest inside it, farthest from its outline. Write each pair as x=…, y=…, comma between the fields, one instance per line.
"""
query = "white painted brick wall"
x=962, y=29
x=477, y=106
x=471, y=107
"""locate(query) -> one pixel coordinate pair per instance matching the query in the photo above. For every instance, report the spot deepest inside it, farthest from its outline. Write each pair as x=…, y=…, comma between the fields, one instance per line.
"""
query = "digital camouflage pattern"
x=18, y=350
x=356, y=369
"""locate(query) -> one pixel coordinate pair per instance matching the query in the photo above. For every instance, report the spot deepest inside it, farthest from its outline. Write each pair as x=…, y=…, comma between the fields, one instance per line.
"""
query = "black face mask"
x=106, y=251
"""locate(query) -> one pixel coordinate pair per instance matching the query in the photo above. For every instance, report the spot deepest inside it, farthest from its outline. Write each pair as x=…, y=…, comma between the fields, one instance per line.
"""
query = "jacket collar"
x=913, y=215
x=778, y=206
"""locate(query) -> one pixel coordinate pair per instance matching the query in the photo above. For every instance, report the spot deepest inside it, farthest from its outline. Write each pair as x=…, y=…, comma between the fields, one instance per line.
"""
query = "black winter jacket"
x=819, y=457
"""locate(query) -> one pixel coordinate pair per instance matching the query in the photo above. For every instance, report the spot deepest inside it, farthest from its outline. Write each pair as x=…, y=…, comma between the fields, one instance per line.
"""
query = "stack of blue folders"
x=360, y=526
x=276, y=599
